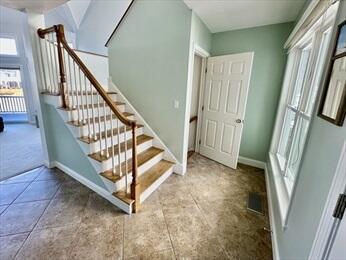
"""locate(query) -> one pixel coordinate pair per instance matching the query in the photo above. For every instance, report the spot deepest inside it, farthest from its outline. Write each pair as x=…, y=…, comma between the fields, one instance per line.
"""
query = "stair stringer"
x=157, y=142
x=111, y=187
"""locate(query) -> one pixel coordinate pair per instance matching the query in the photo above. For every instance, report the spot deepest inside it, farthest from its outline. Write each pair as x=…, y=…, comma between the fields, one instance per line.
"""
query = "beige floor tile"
x=40, y=190
x=25, y=177
x=9, y=245
x=100, y=213
x=9, y=192
x=22, y=217
x=160, y=255
x=145, y=233
x=52, y=243
x=63, y=211
x=97, y=243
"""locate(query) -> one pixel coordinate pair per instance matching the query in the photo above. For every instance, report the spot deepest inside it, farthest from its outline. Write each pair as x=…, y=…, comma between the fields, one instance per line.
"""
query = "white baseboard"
x=275, y=248
x=102, y=192
x=252, y=162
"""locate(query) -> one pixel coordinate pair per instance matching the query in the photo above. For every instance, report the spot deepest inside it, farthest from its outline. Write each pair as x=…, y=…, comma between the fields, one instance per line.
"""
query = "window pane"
x=286, y=134
x=10, y=82
x=318, y=71
x=8, y=46
x=301, y=75
x=297, y=148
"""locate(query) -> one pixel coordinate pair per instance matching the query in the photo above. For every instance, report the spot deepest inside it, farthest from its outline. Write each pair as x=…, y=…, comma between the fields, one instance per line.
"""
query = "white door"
x=226, y=89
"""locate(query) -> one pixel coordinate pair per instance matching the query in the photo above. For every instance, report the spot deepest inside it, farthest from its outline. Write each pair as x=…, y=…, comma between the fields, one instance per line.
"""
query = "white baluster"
x=119, y=151
x=82, y=99
x=99, y=122
x=87, y=110
x=43, y=66
x=112, y=143
x=75, y=90
x=125, y=140
x=105, y=125
x=49, y=65
x=56, y=63
x=69, y=71
x=92, y=112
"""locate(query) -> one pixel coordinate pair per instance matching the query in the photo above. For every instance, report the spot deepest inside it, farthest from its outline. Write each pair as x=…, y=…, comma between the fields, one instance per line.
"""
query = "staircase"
x=126, y=155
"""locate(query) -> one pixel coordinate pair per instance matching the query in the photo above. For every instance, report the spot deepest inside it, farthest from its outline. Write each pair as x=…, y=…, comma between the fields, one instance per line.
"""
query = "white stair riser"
x=107, y=164
x=95, y=146
x=89, y=113
x=155, y=185
x=87, y=98
x=84, y=131
x=140, y=170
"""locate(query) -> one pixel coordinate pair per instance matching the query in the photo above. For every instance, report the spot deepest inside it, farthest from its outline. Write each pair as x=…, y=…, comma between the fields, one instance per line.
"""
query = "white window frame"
x=11, y=36
x=284, y=186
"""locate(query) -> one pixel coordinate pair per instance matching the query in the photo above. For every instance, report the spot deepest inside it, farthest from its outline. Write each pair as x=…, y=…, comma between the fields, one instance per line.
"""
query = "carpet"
x=20, y=149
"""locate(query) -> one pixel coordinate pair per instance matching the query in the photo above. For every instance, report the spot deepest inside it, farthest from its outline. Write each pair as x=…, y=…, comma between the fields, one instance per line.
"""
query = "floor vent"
x=255, y=203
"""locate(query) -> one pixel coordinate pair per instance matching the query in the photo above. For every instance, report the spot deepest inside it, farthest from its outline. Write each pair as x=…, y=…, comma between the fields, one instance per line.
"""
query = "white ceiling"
x=39, y=6
x=225, y=15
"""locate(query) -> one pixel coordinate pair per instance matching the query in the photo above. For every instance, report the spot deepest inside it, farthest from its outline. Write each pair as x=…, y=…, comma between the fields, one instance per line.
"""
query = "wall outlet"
x=176, y=104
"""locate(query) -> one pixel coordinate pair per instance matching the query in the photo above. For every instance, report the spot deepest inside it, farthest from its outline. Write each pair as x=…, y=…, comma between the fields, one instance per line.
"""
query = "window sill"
x=281, y=191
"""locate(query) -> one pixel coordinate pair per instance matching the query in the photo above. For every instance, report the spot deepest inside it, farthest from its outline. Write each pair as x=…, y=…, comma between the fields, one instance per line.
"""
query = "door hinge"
x=202, y=108
x=340, y=207
x=199, y=141
x=206, y=70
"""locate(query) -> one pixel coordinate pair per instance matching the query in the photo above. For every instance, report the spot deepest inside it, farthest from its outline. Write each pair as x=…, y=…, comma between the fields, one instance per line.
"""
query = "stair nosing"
x=140, y=163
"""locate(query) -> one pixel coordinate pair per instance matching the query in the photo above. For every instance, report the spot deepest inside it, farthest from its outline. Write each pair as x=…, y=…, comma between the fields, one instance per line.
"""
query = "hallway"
x=48, y=215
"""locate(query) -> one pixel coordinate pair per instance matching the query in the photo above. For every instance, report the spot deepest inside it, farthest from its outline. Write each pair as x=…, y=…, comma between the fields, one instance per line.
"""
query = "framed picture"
x=333, y=102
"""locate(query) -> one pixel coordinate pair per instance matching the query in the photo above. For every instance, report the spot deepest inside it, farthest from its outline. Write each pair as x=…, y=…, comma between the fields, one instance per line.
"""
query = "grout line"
x=169, y=234
x=123, y=248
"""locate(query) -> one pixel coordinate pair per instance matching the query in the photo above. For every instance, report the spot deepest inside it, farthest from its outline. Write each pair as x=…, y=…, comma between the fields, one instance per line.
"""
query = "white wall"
x=98, y=24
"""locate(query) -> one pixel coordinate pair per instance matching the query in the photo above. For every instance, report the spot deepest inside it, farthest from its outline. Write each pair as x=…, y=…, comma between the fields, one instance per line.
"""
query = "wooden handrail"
x=59, y=29
x=62, y=44
x=91, y=53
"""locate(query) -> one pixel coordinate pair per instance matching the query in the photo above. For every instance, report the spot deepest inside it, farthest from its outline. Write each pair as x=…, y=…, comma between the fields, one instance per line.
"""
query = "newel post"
x=60, y=36
x=135, y=194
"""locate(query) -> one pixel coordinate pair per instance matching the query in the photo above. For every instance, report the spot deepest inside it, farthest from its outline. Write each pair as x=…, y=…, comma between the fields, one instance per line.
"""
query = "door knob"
x=238, y=121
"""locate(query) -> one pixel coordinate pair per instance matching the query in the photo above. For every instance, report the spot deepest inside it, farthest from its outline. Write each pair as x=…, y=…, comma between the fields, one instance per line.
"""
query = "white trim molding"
x=321, y=241
x=251, y=162
x=99, y=190
x=275, y=247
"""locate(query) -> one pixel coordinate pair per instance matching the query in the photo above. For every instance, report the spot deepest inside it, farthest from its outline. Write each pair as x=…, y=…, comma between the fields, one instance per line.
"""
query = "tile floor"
x=45, y=214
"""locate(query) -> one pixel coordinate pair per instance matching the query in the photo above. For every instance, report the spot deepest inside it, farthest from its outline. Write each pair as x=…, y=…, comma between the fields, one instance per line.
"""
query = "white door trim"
x=194, y=49
x=326, y=223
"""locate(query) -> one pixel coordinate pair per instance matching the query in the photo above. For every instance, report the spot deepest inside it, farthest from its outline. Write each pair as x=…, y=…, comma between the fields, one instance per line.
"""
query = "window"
x=8, y=46
x=303, y=75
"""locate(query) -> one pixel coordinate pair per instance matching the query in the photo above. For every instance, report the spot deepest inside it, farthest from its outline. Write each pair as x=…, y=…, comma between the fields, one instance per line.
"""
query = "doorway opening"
x=195, y=102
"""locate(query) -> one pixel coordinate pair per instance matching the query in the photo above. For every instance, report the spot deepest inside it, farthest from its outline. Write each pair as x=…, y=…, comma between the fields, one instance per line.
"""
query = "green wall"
x=200, y=33
x=148, y=59
x=64, y=148
x=268, y=67
x=315, y=177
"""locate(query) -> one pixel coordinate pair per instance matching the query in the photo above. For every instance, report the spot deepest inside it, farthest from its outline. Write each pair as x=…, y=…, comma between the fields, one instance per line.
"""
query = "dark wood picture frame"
x=341, y=113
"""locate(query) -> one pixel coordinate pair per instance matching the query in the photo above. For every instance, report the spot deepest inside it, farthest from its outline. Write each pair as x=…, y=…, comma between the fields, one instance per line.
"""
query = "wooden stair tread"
x=146, y=180
x=96, y=119
x=154, y=173
x=123, y=197
x=91, y=106
x=87, y=140
x=140, y=139
x=142, y=158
